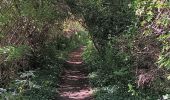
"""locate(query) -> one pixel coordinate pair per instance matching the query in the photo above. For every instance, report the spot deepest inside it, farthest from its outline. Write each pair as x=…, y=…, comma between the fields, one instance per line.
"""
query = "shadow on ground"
x=74, y=84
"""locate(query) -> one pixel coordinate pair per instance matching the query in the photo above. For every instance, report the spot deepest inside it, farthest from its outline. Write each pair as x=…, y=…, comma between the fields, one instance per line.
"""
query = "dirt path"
x=74, y=85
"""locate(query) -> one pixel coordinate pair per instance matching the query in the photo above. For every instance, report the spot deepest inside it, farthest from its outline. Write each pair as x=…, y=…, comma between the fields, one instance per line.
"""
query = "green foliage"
x=46, y=82
x=127, y=39
x=116, y=58
x=164, y=59
x=13, y=53
x=26, y=31
x=32, y=38
x=42, y=85
x=154, y=19
x=104, y=18
x=109, y=69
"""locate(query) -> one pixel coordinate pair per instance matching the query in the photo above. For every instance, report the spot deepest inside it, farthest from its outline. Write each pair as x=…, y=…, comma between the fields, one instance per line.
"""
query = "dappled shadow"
x=74, y=84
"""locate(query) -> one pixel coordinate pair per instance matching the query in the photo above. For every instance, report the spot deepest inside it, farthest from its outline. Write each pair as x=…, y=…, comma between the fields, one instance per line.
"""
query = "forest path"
x=74, y=84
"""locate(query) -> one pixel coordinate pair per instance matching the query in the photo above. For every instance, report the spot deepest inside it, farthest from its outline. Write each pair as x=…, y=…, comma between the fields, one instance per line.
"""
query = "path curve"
x=75, y=84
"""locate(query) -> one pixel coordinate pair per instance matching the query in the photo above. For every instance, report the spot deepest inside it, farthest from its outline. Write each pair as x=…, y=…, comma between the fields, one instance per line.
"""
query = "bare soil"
x=75, y=84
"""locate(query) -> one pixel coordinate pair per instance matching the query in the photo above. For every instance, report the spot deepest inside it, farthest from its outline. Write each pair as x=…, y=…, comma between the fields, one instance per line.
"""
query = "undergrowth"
x=41, y=82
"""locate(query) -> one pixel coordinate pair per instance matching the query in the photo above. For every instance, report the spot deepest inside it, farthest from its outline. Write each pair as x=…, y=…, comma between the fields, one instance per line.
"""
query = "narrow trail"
x=75, y=85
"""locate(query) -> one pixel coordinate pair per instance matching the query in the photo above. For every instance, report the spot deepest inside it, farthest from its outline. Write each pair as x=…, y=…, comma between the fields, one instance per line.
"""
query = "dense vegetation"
x=34, y=42
x=128, y=54
x=127, y=47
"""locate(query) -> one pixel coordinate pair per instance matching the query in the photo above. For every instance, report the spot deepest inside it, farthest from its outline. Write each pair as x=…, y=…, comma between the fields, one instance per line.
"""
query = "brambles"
x=127, y=37
x=127, y=50
x=31, y=38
